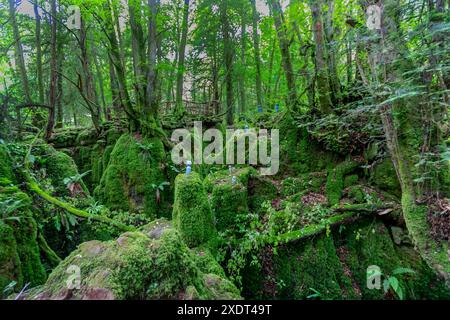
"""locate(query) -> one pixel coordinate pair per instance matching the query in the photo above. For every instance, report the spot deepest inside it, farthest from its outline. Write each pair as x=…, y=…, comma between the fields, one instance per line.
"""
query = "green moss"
x=227, y=202
x=310, y=265
x=25, y=233
x=134, y=169
x=385, y=178
x=357, y=194
x=335, y=180
x=243, y=176
x=310, y=181
x=25, y=242
x=350, y=180
x=87, y=136
x=206, y=263
x=260, y=189
x=151, y=264
x=192, y=214
x=60, y=166
x=10, y=268
x=6, y=164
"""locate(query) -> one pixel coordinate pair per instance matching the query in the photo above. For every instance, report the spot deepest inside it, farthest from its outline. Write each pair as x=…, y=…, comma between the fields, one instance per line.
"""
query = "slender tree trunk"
x=323, y=78
x=20, y=62
x=331, y=49
x=182, y=57
x=59, y=97
x=256, y=47
x=283, y=41
x=88, y=87
x=53, y=72
x=40, y=77
x=228, y=57
x=138, y=50
x=151, y=109
x=242, y=100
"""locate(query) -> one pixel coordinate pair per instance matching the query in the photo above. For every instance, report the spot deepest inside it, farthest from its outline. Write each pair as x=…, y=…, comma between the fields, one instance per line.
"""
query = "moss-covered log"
x=351, y=213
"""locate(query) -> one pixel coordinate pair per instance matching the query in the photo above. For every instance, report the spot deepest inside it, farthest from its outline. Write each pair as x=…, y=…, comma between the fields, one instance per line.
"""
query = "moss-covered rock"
x=334, y=266
x=350, y=180
x=151, y=264
x=385, y=178
x=6, y=164
x=228, y=200
x=260, y=189
x=10, y=268
x=24, y=228
x=309, y=181
x=134, y=171
x=302, y=268
x=192, y=213
x=335, y=180
x=59, y=166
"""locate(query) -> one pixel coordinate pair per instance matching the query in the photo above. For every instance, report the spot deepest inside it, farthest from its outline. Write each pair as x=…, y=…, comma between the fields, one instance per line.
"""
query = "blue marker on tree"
x=277, y=107
x=260, y=110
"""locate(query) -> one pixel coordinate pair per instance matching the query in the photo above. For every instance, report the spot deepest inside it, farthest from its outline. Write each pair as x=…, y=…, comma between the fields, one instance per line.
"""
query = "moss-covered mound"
x=192, y=214
x=134, y=171
x=334, y=266
x=228, y=200
x=6, y=164
x=20, y=259
x=153, y=263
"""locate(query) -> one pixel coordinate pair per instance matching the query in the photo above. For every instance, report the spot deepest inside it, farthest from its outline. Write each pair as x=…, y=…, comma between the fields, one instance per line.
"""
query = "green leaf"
x=393, y=281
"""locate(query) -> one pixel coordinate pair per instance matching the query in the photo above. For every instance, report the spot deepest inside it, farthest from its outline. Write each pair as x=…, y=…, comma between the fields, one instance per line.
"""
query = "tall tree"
x=284, y=44
x=257, y=50
x=323, y=78
x=228, y=53
x=182, y=57
x=53, y=71
x=242, y=98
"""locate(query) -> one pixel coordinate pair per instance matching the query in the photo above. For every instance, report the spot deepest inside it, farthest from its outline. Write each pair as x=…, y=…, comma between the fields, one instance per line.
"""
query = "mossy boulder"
x=334, y=266
x=228, y=200
x=6, y=164
x=260, y=189
x=153, y=263
x=23, y=240
x=309, y=181
x=384, y=177
x=135, y=169
x=192, y=213
x=10, y=268
x=335, y=180
x=60, y=166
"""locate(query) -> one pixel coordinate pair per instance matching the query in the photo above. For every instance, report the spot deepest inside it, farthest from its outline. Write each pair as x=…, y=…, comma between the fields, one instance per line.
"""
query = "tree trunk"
x=402, y=127
x=151, y=108
x=40, y=77
x=88, y=87
x=256, y=47
x=323, y=78
x=242, y=73
x=53, y=72
x=283, y=41
x=228, y=57
x=182, y=58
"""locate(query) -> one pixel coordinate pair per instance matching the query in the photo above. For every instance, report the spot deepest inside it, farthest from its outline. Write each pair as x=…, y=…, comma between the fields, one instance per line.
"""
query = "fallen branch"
x=351, y=212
